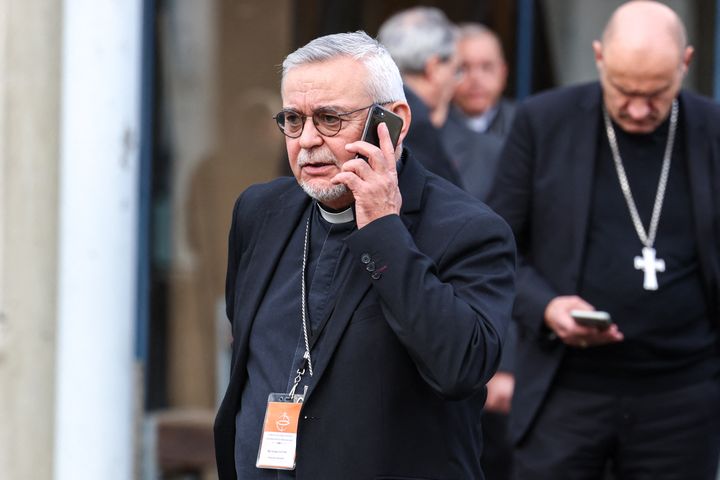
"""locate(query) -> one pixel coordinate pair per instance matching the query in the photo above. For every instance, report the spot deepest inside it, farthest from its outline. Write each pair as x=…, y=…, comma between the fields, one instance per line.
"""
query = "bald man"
x=612, y=190
x=422, y=43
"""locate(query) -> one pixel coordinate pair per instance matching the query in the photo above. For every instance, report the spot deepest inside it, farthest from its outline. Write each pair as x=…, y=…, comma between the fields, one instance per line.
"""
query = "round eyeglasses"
x=326, y=120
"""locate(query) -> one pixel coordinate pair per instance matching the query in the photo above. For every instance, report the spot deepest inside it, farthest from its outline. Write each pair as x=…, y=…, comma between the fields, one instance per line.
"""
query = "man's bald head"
x=642, y=60
x=645, y=25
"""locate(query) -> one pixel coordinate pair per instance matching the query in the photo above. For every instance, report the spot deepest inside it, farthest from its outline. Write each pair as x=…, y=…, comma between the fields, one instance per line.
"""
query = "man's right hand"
x=499, y=393
x=374, y=183
x=558, y=319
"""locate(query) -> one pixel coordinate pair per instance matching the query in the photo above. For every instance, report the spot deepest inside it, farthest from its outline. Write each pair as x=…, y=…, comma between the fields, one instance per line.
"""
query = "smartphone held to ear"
x=591, y=318
x=376, y=116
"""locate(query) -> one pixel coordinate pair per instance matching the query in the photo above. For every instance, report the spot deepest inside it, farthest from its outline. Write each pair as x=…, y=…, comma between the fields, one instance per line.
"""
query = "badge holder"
x=279, y=435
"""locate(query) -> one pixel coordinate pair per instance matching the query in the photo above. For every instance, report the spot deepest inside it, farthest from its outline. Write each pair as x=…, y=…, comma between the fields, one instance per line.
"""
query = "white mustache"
x=306, y=157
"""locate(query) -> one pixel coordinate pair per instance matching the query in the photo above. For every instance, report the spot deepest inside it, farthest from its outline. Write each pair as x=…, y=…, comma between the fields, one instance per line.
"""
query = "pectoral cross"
x=650, y=266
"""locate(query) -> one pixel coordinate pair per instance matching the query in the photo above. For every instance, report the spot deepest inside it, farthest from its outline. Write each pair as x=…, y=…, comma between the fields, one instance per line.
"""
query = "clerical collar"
x=345, y=216
x=348, y=215
x=481, y=123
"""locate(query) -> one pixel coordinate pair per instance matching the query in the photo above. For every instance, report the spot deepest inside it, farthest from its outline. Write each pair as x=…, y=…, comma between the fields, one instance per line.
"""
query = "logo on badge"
x=282, y=422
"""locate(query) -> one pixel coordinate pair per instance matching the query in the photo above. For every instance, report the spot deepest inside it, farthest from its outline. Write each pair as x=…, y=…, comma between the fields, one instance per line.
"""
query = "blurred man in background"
x=479, y=117
x=422, y=41
x=477, y=123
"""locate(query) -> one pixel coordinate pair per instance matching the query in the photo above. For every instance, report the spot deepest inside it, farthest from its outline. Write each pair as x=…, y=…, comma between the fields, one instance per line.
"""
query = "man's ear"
x=687, y=57
x=402, y=109
x=597, y=50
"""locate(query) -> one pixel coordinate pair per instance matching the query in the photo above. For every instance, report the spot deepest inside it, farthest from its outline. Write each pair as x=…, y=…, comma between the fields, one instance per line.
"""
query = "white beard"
x=320, y=194
x=325, y=195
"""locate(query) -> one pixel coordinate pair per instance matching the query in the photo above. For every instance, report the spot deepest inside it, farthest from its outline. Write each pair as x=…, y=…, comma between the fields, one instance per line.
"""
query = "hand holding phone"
x=592, y=318
x=374, y=184
x=376, y=116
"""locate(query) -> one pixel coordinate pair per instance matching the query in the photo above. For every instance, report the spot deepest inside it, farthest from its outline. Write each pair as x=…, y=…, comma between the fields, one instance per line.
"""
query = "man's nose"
x=310, y=137
x=638, y=108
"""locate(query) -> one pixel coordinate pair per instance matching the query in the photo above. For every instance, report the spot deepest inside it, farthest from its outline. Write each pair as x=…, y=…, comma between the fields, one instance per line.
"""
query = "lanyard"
x=307, y=359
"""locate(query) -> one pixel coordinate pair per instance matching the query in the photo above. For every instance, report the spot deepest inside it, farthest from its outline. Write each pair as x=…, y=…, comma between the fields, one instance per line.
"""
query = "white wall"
x=29, y=95
x=98, y=231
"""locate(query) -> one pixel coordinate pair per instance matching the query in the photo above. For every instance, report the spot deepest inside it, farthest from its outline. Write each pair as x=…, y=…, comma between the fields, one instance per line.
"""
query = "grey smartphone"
x=376, y=116
x=591, y=318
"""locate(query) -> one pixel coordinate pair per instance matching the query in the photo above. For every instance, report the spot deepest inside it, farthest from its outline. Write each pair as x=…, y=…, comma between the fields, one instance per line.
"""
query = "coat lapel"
x=583, y=142
x=700, y=156
x=275, y=231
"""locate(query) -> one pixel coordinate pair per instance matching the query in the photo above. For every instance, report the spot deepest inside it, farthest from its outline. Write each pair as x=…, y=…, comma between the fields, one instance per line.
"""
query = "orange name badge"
x=279, y=435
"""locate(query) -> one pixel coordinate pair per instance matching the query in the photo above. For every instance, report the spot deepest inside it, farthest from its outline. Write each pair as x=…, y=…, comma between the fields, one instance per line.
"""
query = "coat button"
x=376, y=275
x=370, y=267
x=365, y=258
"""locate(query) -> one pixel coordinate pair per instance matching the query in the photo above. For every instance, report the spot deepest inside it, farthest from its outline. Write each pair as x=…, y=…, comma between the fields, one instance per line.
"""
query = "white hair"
x=415, y=35
x=383, y=83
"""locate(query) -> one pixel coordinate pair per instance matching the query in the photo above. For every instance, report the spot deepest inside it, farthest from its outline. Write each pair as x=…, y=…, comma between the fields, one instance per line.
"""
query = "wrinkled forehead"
x=340, y=80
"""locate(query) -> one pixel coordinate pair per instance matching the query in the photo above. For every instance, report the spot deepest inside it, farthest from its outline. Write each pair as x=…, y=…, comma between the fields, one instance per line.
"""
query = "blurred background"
x=127, y=130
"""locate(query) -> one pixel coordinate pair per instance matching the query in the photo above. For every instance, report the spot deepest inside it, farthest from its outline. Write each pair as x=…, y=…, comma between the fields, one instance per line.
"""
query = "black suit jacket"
x=424, y=140
x=401, y=394
x=543, y=189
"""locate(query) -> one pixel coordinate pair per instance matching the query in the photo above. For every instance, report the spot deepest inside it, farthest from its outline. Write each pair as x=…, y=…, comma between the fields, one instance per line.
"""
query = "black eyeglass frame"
x=326, y=111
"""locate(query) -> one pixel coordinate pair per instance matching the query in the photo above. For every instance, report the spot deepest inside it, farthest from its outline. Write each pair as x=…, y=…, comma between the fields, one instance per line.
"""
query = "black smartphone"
x=592, y=318
x=376, y=116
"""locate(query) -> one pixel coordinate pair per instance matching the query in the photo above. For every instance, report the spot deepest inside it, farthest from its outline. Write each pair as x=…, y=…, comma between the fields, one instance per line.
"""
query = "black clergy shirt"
x=669, y=338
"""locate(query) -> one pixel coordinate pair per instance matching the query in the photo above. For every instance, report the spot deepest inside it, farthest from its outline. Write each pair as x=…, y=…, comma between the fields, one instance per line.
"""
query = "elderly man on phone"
x=368, y=298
